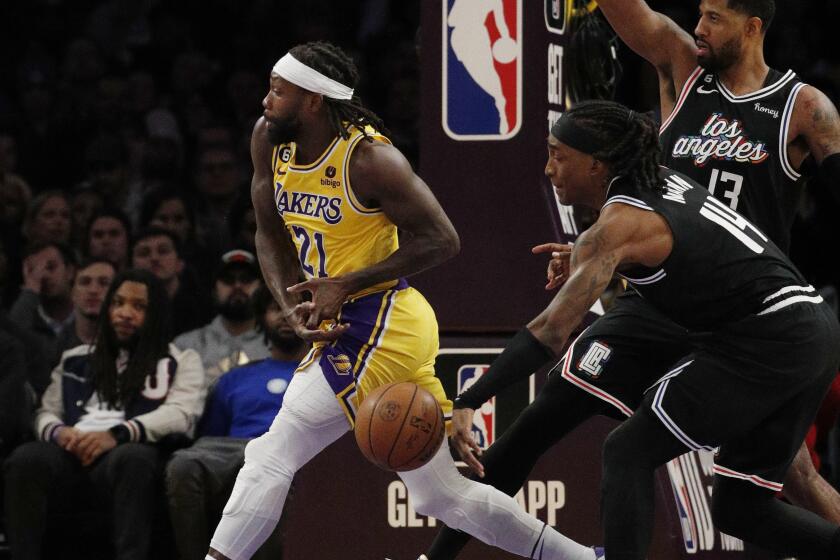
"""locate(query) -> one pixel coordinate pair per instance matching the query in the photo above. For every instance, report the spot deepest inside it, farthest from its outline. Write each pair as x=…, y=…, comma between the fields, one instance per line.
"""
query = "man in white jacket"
x=105, y=408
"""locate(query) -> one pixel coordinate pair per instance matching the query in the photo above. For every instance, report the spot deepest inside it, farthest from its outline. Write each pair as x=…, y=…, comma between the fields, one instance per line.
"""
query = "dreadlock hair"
x=151, y=345
x=334, y=63
x=629, y=140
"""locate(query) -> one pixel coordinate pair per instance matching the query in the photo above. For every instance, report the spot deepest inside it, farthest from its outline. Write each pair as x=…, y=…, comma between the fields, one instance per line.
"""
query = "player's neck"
x=312, y=142
x=747, y=74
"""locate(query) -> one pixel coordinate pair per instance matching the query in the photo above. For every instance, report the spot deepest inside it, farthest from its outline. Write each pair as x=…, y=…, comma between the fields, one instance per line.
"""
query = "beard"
x=283, y=131
x=236, y=308
x=725, y=57
x=285, y=341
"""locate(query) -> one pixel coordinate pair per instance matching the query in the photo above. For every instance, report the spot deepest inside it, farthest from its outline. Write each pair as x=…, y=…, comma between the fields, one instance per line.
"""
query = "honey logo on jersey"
x=720, y=139
x=484, y=421
x=482, y=69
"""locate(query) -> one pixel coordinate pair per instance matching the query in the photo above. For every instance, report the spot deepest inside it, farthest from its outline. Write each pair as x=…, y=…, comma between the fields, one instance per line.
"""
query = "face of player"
x=282, y=105
x=719, y=35
x=569, y=172
x=158, y=255
x=108, y=240
x=90, y=287
x=127, y=311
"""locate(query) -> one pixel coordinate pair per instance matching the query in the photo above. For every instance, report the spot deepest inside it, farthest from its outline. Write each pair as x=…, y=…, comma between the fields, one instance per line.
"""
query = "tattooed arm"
x=622, y=235
x=815, y=129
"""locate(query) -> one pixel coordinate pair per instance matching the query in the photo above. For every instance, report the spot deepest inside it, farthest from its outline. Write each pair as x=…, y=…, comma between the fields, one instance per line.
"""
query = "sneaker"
x=600, y=554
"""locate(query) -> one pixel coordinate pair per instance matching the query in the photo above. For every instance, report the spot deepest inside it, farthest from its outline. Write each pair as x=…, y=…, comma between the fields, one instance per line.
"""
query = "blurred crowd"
x=139, y=349
x=127, y=245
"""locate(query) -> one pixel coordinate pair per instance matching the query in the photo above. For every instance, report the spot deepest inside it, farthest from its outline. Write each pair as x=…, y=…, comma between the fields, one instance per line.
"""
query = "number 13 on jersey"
x=308, y=253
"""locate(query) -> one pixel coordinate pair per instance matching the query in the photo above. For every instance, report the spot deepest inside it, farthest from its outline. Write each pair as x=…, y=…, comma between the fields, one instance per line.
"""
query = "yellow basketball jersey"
x=333, y=233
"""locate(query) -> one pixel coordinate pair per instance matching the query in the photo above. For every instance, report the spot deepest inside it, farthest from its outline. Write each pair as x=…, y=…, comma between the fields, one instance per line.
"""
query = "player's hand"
x=328, y=295
x=92, y=445
x=559, y=267
x=463, y=440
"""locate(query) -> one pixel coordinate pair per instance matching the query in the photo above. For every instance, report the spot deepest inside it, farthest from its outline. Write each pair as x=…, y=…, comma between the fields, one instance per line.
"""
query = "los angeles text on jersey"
x=307, y=204
x=719, y=139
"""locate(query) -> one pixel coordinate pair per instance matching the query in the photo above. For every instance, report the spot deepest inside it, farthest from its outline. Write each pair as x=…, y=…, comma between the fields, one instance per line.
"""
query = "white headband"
x=291, y=69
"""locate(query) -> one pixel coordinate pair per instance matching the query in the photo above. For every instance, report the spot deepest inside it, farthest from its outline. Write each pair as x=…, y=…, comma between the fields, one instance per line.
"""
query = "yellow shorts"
x=393, y=336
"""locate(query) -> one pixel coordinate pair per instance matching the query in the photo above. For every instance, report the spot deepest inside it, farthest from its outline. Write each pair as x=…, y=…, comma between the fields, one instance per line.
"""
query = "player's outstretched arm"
x=381, y=176
x=653, y=36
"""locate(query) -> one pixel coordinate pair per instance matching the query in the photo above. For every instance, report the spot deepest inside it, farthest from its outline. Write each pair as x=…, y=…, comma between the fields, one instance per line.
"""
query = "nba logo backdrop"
x=484, y=421
x=482, y=69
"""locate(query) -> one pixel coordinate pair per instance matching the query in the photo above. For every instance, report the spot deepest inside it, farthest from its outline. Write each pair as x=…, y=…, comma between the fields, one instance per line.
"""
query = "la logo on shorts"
x=593, y=361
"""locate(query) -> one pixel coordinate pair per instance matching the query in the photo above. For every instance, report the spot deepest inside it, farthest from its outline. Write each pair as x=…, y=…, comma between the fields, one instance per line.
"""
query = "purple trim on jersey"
x=345, y=359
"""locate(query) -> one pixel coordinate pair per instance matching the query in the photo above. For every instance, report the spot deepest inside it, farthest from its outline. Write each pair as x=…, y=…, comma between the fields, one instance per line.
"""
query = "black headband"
x=580, y=139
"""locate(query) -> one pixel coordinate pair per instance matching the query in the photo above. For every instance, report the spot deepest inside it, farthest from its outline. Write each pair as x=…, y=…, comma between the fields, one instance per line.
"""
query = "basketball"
x=399, y=426
x=504, y=50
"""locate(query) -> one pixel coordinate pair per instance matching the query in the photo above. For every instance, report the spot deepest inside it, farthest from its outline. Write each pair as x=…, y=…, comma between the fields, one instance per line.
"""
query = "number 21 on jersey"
x=308, y=252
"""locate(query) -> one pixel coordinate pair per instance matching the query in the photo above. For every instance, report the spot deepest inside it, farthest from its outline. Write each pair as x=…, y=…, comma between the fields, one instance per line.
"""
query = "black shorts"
x=624, y=353
x=751, y=390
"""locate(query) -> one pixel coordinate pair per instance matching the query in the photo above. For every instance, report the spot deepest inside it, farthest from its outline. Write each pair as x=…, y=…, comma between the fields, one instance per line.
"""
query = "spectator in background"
x=242, y=406
x=169, y=209
x=13, y=397
x=44, y=306
x=14, y=200
x=157, y=251
x=48, y=218
x=104, y=410
x=218, y=181
x=231, y=338
x=84, y=204
x=106, y=163
x=242, y=222
x=93, y=278
x=108, y=237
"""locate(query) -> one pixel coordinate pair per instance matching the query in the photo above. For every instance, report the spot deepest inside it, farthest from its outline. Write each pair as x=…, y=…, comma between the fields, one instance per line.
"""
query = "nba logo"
x=484, y=421
x=482, y=69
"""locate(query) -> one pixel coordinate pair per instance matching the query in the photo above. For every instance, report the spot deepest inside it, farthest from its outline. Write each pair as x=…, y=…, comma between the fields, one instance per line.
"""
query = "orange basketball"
x=399, y=426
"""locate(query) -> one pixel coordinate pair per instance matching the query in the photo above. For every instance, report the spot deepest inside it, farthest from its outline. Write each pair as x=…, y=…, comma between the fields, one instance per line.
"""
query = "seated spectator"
x=242, y=222
x=230, y=339
x=106, y=407
x=84, y=204
x=218, y=181
x=169, y=209
x=108, y=237
x=157, y=251
x=44, y=306
x=13, y=399
x=242, y=406
x=14, y=200
x=48, y=219
x=93, y=278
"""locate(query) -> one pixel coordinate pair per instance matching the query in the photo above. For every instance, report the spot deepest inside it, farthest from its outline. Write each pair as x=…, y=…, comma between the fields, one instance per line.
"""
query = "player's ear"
x=314, y=102
x=754, y=27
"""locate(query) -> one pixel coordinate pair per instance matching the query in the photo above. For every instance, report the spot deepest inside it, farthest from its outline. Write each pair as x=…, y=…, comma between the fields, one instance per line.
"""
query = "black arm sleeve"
x=523, y=356
x=828, y=174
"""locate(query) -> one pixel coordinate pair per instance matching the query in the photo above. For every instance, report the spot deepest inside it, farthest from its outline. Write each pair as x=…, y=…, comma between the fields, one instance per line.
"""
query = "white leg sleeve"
x=437, y=489
x=309, y=421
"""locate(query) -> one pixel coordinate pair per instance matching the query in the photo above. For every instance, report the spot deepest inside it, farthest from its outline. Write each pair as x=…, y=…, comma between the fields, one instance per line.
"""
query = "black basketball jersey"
x=736, y=147
x=722, y=268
